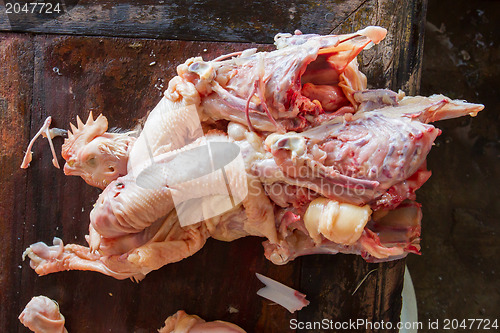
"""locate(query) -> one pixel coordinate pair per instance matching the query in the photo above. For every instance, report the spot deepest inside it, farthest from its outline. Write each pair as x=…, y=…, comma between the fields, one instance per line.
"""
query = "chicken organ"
x=329, y=165
x=42, y=315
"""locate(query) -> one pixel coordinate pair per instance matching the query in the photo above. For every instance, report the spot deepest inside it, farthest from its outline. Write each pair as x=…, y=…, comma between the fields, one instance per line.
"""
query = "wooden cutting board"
x=98, y=56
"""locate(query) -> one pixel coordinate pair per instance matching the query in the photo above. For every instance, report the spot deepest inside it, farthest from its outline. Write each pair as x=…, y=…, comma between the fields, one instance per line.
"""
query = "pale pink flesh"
x=393, y=238
x=290, y=299
x=181, y=322
x=41, y=315
x=374, y=141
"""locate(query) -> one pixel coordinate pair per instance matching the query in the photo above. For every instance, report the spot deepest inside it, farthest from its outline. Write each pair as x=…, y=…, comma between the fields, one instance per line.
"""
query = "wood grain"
x=72, y=76
x=397, y=62
x=460, y=202
x=16, y=70
x=209, y=20
x=345, y=288
x=65, y=76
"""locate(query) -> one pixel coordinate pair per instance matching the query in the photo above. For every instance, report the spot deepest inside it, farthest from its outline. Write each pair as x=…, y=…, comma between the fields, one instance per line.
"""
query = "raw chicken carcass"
x=327, y=165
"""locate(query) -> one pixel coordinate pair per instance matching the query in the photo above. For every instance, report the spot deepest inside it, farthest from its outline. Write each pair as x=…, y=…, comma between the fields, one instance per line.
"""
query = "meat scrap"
x=281, y=294
x=288, y=145
x=181, y=322
x=42, y=315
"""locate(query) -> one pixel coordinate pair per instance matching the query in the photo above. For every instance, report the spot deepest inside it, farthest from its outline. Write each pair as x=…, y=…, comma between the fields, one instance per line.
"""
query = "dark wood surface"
x=65, y=76
x=207, y=20
x=16, y=86
x=457, y=275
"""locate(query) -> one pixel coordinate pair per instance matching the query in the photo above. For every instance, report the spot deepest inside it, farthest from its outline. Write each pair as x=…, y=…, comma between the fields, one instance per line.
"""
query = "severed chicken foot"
x=46, y=259
x=169, y=244
x=48, y=133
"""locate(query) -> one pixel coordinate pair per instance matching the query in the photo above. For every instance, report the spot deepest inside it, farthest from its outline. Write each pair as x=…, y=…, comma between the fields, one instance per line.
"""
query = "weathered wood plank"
x=114, y=76
x=16, y=71
x=231, y=20
x=346, y=289
x=117, y=76
x=397, y=62
x=457, y=275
